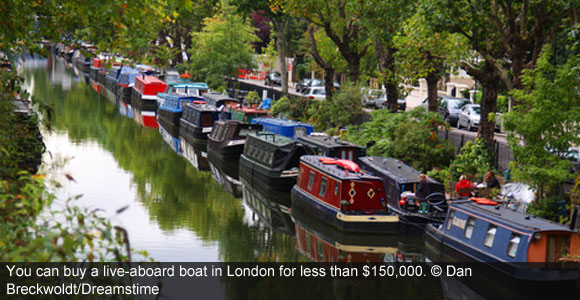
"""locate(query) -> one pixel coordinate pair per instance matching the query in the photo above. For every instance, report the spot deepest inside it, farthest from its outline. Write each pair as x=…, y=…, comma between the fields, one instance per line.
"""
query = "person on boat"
x=423, y=190
x=491, y=181
x=463, y=187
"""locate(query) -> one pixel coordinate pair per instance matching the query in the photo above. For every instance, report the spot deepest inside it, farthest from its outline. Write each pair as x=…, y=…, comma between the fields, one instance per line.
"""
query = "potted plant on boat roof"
x=252, y=99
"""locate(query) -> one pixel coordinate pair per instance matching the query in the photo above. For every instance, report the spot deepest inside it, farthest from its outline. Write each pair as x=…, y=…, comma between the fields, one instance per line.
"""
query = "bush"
x=474, y=160
x=408, y=136
x=292, y=108
x=343, y=109
x=548, y=208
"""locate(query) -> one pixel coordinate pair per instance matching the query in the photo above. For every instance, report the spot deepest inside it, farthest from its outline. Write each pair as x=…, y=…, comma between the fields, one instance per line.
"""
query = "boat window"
x=512, y=249
x=336, y=188
x=469, y=228
x=182, y=103
x=490, y=236
x=307, y=243
x=322, y=191
x=310, y=180
x=343, y=154
x=450, y=219
x=350, y=155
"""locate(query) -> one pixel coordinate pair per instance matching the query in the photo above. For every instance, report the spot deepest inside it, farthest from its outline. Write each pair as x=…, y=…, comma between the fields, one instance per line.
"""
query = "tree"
x=424, y=53
x=341, y=22
x=383, y=19
x=546, y=123
x=508, y=35
x=223, y=47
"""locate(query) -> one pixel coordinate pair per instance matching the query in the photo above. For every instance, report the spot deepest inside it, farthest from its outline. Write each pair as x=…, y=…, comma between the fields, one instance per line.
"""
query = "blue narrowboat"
x=169, y=113
x=270, y=161
x=525, y=251
x=197, y=89
x=287, y=128
x=125, y=83
x=339, y=194
x=171, y=140
x=196, y=123
x=401, y=181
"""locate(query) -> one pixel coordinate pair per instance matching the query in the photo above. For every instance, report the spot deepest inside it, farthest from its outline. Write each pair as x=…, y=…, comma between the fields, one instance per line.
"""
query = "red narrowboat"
x=337, y=192
x=144, y=93
x=95, y=67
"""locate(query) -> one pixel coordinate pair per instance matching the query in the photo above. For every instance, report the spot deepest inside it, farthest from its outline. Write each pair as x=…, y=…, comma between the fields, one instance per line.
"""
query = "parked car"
x=470, y=115
x=315, y=93
x=448, y=107
x=370, y=97
x=381, y=102
x=572, y=154
x=273, y=78
x=307, y=83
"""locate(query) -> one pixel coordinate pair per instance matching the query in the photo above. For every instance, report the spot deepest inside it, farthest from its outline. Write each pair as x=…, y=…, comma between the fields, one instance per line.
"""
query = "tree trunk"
x=490, y=86
x=328, y=69
x=280, y=28
x=386, y=61
x=432, y=91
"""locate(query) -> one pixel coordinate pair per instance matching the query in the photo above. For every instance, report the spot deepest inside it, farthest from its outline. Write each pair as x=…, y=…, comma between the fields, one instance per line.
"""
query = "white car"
x=315, y=93
x=470, y=115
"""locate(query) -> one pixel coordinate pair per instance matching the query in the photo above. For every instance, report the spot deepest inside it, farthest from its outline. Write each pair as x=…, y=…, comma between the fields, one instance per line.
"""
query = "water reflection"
x=176, y=213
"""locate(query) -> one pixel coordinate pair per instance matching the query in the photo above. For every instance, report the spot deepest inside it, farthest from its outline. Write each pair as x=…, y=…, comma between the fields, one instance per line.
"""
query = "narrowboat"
x=196, y=123
x=400, y=181
x=322, y=144
x=339, y=194
x=223, y=174
x=125, y=84
x=320, y=242
x=96, y=65
x=144, y=92
x=81, y=61
x=271, y=209
x=227, y=139
x=218, y=100
x=271, y=161
x=287, y=128
x=245, y=114
x=111, y=78
x=527, y=253
x=195, y=155
x=169, y=113
x=197, y=89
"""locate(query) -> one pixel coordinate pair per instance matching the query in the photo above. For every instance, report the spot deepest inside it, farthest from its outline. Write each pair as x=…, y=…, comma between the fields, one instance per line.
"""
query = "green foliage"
x=547, y=119
x=474, y=160
x=223, y=47
x=342, y=110
x=442, y=175
x=547, y=208
x=408, y=136
x=252, y=97
x=292, y=107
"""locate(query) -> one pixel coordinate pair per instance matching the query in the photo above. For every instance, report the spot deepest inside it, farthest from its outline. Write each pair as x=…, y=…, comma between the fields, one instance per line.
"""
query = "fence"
x=503, y=154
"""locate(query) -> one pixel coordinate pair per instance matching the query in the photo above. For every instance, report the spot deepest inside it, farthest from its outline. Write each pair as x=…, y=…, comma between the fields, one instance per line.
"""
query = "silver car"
x=470, y=115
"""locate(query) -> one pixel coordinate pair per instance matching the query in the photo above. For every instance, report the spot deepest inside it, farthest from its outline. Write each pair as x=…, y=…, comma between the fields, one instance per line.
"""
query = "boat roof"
x=203, y=107
x=150, y=80
x=272, y=138
x=390, y=167
x=195, y=85
x=334, y=170
x=509, y=217
x=324, y=141
x=218, y=96
x=279, y=122
x=183, y=96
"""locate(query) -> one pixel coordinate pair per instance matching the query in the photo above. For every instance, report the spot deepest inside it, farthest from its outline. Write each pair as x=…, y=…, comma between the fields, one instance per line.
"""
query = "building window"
x=450, y=219
x=322, y=191
x=469, y=228
x=490, y=236
x=310, y=180
x=512, y=249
